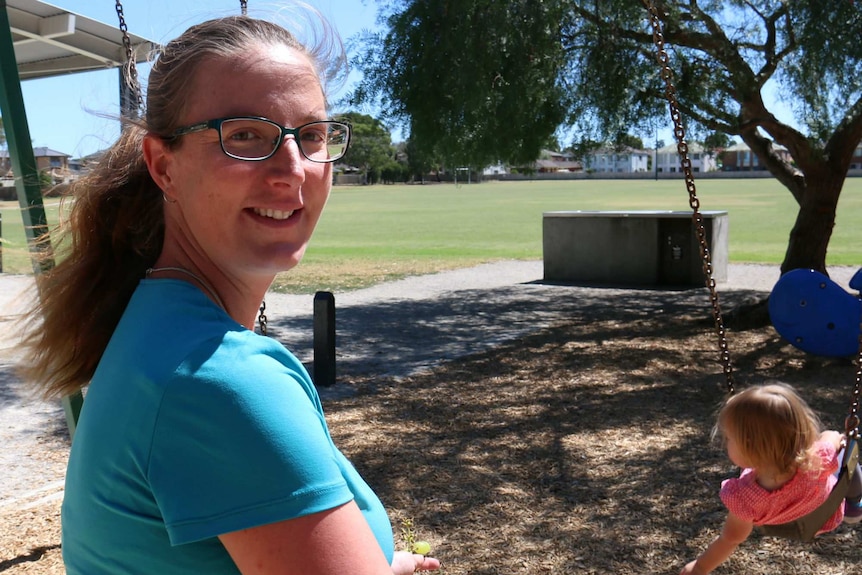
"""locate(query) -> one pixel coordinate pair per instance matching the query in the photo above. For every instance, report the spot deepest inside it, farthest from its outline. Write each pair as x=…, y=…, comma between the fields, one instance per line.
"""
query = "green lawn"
x=375, y=233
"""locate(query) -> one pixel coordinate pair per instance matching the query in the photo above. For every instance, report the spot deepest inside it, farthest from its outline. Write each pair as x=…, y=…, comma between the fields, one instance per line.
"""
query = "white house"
x=627, y=160
x=668, y=160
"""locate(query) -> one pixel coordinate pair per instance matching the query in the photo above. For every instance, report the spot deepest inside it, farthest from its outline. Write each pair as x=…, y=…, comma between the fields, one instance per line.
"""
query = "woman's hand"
x=690, y=569
x=404, y=563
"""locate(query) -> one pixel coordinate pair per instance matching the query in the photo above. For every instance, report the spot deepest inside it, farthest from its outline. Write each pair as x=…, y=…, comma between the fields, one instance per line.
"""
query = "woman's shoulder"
x=180, y=337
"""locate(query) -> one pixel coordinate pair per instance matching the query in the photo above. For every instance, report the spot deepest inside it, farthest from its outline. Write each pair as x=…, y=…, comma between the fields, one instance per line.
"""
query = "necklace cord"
x=261, y=318
x=212, y=293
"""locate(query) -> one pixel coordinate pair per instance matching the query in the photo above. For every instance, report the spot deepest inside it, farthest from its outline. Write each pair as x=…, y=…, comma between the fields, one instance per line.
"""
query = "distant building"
x=47, y=160
x=495, y=170
x=550, y=161
x=80, y=166
x=668, y=161
x=856, y=161
x=626, y=160
x=740, y=158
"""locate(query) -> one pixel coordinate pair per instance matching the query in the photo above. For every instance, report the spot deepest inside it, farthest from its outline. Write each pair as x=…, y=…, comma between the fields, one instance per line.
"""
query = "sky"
x=75, y=114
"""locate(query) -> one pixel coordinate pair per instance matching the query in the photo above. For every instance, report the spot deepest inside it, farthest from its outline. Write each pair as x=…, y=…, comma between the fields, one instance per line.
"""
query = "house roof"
x=604, y=150
x=558, y=165
x=743, y=147
x=40, y=152
x=693, y=147
x=50, y=41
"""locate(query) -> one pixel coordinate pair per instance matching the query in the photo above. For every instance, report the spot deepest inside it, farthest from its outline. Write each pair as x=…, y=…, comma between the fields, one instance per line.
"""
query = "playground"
x=519, y=427
x=578, y=443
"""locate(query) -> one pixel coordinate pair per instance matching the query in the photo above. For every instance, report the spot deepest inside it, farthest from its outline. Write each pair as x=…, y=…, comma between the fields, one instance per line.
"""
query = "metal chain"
x=261, y=318
x=852, y=423
x=243, y=5
x=130, y=75
x=682, y=149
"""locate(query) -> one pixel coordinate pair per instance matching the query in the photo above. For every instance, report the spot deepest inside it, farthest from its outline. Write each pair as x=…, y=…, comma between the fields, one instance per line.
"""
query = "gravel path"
x=393, y=329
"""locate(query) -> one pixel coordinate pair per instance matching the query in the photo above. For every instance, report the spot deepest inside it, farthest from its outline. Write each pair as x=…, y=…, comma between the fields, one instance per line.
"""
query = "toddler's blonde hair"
x=774, y=428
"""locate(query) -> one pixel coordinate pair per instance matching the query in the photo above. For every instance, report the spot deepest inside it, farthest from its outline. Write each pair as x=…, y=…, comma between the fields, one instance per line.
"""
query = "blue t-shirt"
x=194, y=426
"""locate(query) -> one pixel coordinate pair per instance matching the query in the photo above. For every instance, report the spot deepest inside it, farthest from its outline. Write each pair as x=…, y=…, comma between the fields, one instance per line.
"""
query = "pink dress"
x=802, y=494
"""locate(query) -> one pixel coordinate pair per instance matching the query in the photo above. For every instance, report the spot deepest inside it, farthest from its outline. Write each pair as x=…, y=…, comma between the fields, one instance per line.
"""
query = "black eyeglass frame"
x=216, y=124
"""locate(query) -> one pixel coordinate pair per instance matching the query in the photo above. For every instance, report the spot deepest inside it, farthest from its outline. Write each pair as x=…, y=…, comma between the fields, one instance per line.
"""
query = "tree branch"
x=846, y=137
x=793, y=179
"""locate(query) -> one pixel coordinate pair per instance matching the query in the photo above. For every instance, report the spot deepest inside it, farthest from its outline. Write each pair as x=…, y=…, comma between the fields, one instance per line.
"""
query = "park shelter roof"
x=50, y=41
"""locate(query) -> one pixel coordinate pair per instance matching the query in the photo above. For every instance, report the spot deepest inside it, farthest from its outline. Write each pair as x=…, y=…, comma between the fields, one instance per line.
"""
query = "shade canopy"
x=51, y=41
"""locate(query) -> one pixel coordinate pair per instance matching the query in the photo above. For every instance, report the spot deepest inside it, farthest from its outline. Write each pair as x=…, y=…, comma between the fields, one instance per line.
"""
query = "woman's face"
x=247, y=218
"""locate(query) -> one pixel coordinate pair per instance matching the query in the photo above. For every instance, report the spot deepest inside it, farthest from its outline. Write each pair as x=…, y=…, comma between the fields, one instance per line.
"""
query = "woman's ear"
x=158, y=158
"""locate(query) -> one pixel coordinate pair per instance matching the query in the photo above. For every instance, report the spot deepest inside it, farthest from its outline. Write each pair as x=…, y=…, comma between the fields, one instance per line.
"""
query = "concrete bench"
x=631, y=248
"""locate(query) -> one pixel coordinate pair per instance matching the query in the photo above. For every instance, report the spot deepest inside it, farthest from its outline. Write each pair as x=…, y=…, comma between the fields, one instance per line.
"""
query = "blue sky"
x=68, y=113
x=75, y=114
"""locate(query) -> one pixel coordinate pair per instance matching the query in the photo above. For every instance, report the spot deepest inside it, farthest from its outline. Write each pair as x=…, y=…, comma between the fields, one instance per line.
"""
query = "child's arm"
x=735, y=531
x=834, y=438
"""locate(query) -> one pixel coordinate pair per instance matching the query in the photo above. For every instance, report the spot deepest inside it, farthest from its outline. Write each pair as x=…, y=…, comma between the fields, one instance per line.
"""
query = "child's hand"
x=833, y=437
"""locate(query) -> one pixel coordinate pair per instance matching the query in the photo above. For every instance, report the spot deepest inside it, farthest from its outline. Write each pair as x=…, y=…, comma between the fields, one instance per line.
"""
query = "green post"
x=27, y=182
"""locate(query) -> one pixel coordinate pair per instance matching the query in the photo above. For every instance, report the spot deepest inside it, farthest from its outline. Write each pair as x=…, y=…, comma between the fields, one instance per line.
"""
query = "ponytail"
x=112, y=233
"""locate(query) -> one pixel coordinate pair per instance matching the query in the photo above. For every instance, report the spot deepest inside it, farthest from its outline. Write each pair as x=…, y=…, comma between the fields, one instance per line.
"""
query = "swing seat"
x=806, y=528
x=815, y=314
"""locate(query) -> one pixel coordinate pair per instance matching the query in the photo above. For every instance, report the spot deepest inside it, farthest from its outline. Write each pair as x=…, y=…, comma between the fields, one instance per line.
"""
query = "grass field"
x=378, y=233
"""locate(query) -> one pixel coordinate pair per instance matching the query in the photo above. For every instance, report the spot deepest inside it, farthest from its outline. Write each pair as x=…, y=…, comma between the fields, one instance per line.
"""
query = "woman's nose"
x=288, y=158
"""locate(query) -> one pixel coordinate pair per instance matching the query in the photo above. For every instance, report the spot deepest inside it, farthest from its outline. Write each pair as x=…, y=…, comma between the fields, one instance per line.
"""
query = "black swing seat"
x=806, y=527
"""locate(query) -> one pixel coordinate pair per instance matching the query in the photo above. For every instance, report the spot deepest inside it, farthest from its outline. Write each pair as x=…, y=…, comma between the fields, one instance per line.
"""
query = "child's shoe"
x=852, y=512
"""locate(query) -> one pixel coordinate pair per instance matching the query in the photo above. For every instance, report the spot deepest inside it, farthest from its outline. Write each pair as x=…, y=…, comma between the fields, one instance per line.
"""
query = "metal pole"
x=324, y=339
x=21, y=154
x=27, y=183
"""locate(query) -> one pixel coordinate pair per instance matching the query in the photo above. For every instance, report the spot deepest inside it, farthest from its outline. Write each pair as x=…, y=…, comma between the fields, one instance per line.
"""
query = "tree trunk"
x=809, y=238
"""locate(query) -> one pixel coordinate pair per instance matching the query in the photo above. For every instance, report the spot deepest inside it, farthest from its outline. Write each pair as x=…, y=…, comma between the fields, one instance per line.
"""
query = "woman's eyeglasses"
x=254, y=139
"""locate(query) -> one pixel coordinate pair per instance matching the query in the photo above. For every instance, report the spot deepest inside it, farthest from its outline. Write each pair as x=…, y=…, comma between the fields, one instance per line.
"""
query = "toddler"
x=788, y=468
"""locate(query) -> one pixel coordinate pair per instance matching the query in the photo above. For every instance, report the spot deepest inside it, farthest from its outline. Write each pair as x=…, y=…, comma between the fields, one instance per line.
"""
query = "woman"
x=202, y=447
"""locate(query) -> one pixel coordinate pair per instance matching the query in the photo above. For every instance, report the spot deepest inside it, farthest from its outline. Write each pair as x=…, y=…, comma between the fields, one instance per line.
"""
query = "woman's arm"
x=338, y=540
x=735, y=531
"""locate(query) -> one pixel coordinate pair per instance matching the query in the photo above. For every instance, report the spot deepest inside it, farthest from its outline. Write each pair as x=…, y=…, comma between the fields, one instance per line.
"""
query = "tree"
x=491, y=78
x=421, y=161
x=717, y=141
x=623, y=141
x=474, y=83
x=370, y=145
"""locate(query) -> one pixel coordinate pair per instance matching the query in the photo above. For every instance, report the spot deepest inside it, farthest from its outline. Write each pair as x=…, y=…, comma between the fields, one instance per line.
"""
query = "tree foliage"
x=370, y=145
x=491, y=80
x=476, y=82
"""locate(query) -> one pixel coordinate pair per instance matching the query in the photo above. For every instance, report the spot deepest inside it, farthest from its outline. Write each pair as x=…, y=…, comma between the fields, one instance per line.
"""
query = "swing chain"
x=682, y=148
x=852, y=422
x=130, y=76
x=261, y=318
x=243, y=5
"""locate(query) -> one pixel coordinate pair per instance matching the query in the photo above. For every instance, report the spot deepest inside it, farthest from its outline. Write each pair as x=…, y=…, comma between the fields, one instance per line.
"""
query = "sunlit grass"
x=378, y=233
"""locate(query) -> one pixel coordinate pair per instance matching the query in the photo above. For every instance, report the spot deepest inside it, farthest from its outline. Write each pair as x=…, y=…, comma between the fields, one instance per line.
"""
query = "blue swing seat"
x=815, y=314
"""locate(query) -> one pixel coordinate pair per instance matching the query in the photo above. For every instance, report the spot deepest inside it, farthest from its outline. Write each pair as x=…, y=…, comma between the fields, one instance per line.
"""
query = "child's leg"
x=854, y=492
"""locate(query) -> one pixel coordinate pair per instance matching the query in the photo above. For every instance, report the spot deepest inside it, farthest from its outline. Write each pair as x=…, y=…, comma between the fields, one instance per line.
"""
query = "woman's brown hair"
x=113, y=229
